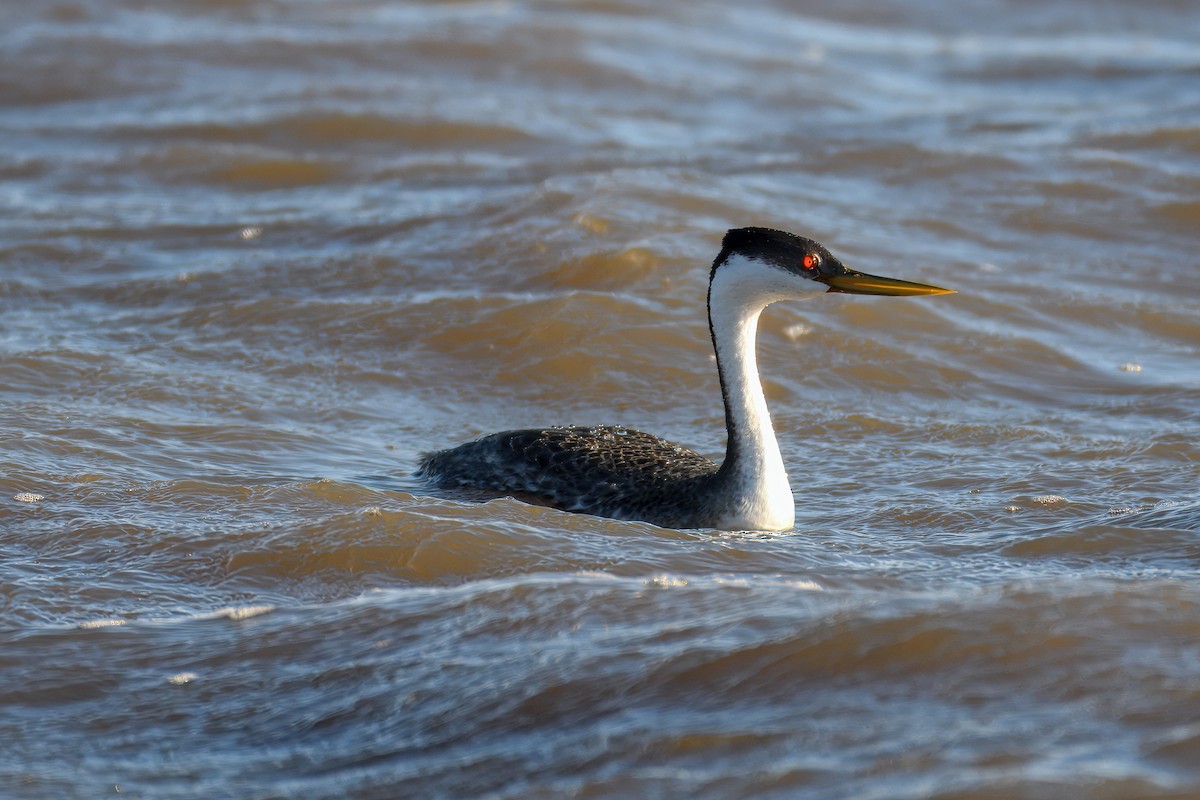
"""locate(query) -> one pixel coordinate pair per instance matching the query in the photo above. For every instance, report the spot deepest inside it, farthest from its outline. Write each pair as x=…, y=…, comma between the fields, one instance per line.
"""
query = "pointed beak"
x=861, y=283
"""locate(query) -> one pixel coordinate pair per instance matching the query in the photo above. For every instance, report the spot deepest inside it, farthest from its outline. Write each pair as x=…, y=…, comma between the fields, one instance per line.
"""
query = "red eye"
x=812, y=261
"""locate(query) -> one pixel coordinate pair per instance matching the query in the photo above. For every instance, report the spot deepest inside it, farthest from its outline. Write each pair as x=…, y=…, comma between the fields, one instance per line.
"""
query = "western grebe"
x=627, y=474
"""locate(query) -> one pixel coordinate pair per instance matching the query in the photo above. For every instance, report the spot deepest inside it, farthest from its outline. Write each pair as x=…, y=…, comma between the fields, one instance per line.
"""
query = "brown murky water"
x=256, y=256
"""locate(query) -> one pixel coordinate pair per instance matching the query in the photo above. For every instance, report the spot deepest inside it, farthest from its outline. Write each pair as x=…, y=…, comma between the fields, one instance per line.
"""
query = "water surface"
x=256, y=256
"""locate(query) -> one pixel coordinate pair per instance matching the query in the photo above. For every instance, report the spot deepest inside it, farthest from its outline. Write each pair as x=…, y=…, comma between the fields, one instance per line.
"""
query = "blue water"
x=255, y=257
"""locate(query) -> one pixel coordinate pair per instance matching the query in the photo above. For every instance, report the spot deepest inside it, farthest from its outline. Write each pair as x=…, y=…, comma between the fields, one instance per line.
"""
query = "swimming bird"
x=626, y=474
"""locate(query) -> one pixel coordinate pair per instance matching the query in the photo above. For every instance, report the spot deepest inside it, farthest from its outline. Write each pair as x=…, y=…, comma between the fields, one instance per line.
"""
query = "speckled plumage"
x=627, y=474
x=606, y=470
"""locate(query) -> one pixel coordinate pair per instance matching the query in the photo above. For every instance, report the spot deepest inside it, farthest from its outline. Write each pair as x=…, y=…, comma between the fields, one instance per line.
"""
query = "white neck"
x=753, y=474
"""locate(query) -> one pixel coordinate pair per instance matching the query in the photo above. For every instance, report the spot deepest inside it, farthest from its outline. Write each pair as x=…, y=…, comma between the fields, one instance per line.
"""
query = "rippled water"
x=256, y=256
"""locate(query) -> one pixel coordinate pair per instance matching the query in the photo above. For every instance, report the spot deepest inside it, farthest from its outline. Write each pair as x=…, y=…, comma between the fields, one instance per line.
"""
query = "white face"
x=750, y=282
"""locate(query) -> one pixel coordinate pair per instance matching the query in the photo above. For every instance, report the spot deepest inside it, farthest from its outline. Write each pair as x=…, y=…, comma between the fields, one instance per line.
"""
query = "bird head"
x=779, y=265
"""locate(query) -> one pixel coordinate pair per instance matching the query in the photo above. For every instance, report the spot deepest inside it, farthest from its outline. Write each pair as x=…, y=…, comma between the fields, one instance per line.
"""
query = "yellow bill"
x=861, y=283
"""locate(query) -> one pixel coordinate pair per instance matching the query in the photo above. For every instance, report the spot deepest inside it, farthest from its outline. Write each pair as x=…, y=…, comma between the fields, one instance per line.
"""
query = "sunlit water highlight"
x=255, y=257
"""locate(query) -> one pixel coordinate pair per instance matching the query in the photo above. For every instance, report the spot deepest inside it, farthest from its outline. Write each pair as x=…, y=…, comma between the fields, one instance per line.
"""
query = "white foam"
x=243, y=612
x=92, y=624
x=807, y=585
x=666, y=580
x=796, y=332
